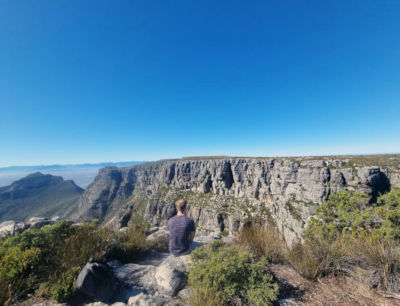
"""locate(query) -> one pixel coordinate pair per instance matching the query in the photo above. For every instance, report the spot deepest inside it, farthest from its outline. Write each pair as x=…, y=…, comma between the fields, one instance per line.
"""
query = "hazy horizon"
x=81, y=174
x=90, y=164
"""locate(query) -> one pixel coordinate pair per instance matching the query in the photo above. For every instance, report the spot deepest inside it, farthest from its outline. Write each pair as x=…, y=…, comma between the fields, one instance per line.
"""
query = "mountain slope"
x=38, y=195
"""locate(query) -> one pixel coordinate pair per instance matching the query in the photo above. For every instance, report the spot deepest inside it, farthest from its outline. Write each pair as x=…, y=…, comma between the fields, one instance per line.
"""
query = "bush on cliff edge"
x=225, y=275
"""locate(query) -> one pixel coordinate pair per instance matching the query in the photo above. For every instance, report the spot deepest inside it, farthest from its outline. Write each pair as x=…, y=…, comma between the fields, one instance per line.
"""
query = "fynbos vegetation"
x=47, y=261
x=224, y=275
x=348, y=236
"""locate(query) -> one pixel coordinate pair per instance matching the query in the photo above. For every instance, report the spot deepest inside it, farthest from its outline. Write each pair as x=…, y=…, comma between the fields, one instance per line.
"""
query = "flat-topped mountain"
x=81, y=174
x=224, y=191
x=38, y=195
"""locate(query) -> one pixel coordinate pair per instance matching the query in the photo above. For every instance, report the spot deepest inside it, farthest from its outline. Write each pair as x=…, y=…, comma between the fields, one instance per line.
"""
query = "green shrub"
x=348, y=232
x=344, y=212
x=139, y=221
x=47, y=260
x=129, y=245
x=226, y=275
x=349, y=213
x=64, y=287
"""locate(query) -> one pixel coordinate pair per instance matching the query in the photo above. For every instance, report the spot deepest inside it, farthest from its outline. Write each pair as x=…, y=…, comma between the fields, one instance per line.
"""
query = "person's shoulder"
x=172, y=219
x=190, y=220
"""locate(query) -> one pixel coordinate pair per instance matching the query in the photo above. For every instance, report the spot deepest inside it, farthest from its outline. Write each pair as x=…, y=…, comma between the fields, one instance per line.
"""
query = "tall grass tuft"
x=377, y=262
x=315, y=257
x=262, y=240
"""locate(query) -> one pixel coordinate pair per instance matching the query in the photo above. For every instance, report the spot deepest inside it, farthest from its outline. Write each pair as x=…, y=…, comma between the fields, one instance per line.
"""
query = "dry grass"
x=202, y=297
x=262, y=240
x=377, y=262
x=372, y=261
x=312, y=258
x=317, y=257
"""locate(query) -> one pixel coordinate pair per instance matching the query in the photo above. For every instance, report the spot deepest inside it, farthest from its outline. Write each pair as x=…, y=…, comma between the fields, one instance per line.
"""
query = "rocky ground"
x=160, y=279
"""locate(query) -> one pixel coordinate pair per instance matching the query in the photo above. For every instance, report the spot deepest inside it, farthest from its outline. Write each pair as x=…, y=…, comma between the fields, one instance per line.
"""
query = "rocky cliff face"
x=224, y=192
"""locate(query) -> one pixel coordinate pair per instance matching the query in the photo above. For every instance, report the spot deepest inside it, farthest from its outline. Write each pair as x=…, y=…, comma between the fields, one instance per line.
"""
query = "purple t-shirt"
x=179, y=228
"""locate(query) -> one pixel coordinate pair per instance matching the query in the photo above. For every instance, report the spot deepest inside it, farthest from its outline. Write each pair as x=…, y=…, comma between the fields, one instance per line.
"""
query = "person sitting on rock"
x=182, y=231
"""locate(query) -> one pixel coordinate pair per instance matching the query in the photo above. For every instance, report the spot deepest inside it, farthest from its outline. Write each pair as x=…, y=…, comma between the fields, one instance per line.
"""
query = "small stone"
x=145, y=300
x=185, y=293
x=286, y=302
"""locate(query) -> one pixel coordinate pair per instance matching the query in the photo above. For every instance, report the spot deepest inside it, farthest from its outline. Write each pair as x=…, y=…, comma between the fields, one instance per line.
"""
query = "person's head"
x=181, y=205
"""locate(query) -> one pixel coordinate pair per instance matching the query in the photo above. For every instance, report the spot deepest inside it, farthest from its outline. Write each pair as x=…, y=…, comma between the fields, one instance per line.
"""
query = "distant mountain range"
x=81, y=174
x=38, y=194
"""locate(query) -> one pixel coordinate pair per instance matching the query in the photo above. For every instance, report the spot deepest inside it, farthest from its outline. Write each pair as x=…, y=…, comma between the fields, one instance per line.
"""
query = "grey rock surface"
x=37, y=222
x=223, y=192
x=158, y=278
x=170, y=276
x=286, y=302
x=143, y=299
x=161, y=235
x=7, y=228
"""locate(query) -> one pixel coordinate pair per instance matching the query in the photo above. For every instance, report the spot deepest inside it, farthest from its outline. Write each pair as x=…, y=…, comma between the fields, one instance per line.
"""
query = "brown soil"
x=340, y=290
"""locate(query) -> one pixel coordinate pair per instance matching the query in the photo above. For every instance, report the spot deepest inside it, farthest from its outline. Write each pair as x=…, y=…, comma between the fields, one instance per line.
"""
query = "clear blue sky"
x=91, y=81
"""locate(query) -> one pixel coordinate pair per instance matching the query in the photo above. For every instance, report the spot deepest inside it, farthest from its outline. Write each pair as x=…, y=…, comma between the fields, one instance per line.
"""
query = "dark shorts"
x=192, y=246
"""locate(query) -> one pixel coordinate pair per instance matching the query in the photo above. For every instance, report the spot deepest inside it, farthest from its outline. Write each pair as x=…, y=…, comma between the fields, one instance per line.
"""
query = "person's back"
x=181, y=229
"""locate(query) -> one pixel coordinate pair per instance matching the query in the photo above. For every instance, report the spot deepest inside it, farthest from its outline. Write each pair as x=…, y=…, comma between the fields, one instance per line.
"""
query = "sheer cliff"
x=224, y=192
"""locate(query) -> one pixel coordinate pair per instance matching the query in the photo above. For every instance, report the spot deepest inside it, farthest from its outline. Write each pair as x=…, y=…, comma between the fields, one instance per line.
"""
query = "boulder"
x=170, y=275
x=7, y=228
x=185, y=293
x=97, y=281
x=20, y=227
x=37, y=222
x=160, y=235
x=123, y=294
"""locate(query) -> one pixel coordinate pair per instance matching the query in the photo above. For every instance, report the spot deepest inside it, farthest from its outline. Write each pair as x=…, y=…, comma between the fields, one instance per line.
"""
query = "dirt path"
x=326, y=291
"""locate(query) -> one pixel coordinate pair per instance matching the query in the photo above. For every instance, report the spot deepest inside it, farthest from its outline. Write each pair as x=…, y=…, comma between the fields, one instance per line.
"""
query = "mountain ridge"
x=81, y=174
x=38, y=194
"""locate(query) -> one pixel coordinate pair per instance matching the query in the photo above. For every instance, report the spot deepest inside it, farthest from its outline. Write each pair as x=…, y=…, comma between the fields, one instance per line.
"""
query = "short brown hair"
x=180, y=205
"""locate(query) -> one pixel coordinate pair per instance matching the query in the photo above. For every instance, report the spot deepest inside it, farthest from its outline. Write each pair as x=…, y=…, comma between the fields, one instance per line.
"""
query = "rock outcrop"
x=8, y=228
x=224, y=192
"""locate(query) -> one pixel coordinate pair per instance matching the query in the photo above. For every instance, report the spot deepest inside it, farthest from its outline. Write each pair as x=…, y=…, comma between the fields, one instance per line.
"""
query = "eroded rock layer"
x=224, y=192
